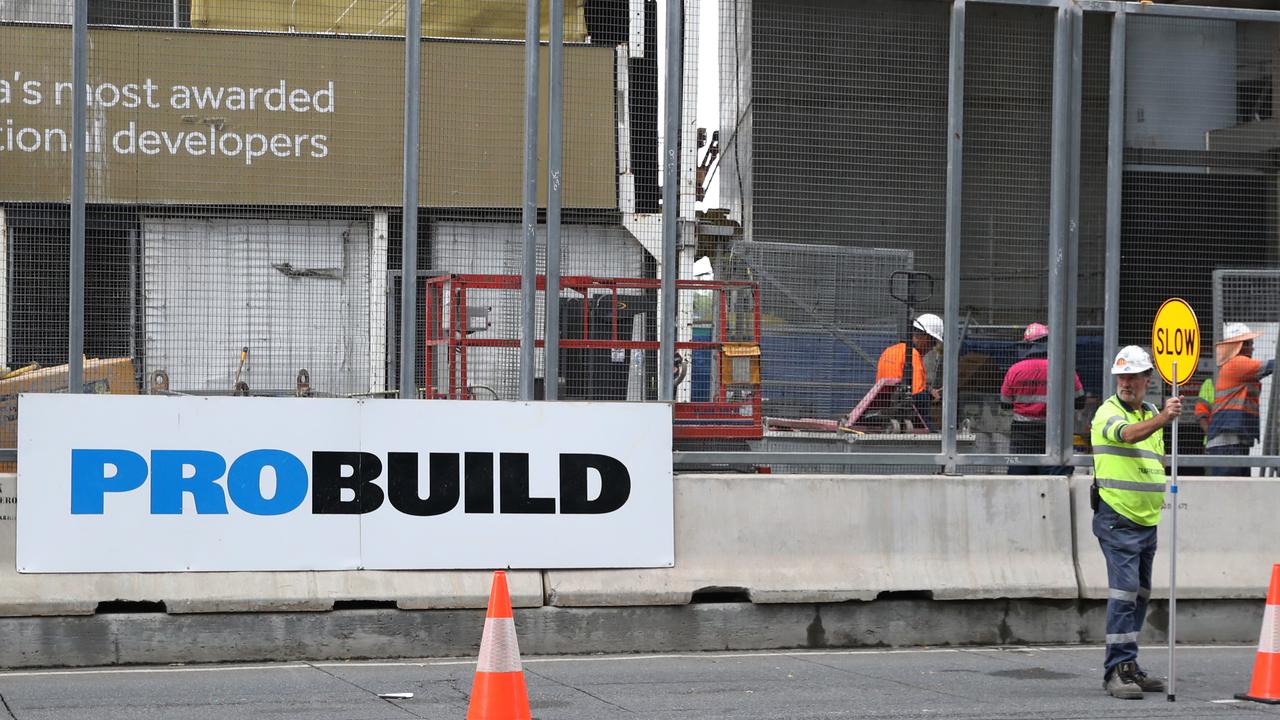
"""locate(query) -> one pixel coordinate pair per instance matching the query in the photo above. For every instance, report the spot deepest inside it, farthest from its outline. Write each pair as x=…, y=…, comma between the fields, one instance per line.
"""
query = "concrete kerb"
x=159, y=638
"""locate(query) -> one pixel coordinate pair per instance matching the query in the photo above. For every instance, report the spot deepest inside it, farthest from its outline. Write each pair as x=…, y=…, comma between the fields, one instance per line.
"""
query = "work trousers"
x=1130, y=549
x=1027, y=438
x=1230, y=471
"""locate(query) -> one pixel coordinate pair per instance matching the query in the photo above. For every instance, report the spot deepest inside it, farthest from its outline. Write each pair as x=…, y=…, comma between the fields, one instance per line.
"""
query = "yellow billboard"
x=189, y=117
x=480, y=19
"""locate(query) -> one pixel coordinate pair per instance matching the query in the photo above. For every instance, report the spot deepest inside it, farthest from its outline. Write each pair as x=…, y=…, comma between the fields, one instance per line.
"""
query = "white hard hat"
x=1131, y=360
x=1234, y=335
x=929, y=324
x=1234, y=332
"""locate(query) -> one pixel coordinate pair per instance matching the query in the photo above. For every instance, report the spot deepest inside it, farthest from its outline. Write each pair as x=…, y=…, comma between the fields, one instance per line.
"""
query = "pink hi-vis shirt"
x=1026, y=387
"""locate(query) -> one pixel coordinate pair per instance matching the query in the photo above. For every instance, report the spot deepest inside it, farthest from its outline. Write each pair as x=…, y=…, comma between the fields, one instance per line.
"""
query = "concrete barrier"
x=80, y=594
x=810, y=538
x=1228, y=538
x=770, y=539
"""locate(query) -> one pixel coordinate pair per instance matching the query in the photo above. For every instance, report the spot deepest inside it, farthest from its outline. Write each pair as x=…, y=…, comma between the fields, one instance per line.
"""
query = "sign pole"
x=1173, y=554
x=1175, y=339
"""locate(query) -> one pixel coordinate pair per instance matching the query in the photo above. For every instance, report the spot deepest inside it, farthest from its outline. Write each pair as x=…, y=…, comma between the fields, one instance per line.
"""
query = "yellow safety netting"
x=483, y=19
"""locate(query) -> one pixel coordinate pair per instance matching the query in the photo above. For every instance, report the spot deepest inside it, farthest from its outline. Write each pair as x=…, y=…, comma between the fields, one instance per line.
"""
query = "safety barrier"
x=80, y=594
x=808, y=538
x=1228, y=536
x=769, y=539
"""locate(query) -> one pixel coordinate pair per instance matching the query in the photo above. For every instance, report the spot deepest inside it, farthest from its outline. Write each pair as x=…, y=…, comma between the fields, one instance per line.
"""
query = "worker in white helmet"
x=926, y=333
x=1127, y=494
x=1233, y=422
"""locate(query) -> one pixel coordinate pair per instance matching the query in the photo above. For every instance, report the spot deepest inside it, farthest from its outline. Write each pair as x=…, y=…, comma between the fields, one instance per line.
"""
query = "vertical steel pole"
x=955, y=176
x=133, y=293
x=79, y=107
x=1115, y=182
x=671, y=198
x=7, y=297
x=176, y=10
x=409, y=245
x=1059, y=200
x=1173, y=541
x=529, y=217
x=1072, y=264
x=555, y=165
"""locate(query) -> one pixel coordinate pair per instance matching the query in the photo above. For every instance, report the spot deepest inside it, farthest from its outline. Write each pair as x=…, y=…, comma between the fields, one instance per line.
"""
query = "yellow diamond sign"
x=1175, y=339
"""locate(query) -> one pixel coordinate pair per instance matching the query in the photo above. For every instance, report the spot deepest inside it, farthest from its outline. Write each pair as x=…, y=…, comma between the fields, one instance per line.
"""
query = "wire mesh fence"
x=1008, y=119
x=1199, y=189
x=245, y=211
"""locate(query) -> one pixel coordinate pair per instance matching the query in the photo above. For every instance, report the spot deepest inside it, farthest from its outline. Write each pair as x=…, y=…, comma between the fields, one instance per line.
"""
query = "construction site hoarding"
x=289, y=119
x=352, y=484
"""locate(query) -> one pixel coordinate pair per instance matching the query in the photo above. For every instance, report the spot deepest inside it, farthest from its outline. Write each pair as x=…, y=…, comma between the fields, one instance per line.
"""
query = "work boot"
x=1148, y=683
x=1122, y=683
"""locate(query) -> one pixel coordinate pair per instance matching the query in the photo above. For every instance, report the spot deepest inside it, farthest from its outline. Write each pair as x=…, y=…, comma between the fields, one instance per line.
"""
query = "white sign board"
x=165, y=484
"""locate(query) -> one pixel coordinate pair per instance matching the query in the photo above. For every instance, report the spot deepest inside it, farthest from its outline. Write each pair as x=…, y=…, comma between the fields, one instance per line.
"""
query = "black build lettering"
x=514, y=481
x=326, y=492
x=479, y=492
x=402, y=484
x=615, y=484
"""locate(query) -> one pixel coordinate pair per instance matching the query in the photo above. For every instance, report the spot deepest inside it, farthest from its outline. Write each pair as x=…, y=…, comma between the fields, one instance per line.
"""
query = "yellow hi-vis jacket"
x=1130, y=476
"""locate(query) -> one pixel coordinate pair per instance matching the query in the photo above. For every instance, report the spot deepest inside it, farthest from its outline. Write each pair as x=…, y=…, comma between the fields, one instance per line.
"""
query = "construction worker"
x=1203, y=410
x=1025, y=391
x=926, y=332
x=1204, y=407
x=1127, y=493
x=1233, y=426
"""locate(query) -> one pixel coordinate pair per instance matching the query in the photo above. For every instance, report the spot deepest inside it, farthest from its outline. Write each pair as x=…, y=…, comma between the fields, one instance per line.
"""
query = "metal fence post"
x=955, y=175
x=1115, y=186
x=1067, y=369
x=1059, y=200
x=79, y=105
x=529, y=215
x=409, y=233
x=671, y=197
x=555, y=165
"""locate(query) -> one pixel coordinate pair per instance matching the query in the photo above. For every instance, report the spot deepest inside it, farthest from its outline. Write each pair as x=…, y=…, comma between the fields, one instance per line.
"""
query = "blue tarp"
x=815, y=375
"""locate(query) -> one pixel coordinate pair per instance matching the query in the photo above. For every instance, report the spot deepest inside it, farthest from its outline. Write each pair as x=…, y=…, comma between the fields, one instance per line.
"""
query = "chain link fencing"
x=245, y=226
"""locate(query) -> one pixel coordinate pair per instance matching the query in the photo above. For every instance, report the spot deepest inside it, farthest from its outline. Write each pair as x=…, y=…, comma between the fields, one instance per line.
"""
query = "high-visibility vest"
x=1026, y=387
x=891, y=365
x=1130, y=476
x=1204, y=404
x=1235, y=404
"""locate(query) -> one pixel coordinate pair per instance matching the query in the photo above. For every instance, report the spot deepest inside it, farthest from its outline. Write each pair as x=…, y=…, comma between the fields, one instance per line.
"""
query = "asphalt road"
x=1059, y=682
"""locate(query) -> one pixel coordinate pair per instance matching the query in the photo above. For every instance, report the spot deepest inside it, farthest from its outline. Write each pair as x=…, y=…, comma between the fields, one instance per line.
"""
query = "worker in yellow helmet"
x=1127, y=494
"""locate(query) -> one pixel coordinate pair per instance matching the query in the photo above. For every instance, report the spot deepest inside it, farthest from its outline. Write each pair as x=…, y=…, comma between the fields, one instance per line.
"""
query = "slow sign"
x=1175, y=341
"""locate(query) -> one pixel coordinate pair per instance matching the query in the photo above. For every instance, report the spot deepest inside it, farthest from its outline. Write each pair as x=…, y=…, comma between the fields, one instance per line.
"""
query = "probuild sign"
x=149, y=484
x=226, y=118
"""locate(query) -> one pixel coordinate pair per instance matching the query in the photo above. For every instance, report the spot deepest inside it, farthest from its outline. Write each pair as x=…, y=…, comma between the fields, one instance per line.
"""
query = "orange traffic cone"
x=499, y=692
x=1266, y=669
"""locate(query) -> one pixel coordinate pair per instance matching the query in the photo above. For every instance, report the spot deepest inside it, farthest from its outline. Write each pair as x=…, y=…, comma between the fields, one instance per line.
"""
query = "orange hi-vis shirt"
x=1235, y=403
x=891, y=362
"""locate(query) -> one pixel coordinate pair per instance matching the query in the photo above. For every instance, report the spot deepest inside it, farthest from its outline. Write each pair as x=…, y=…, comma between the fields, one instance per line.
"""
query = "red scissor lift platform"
x=733, y=410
